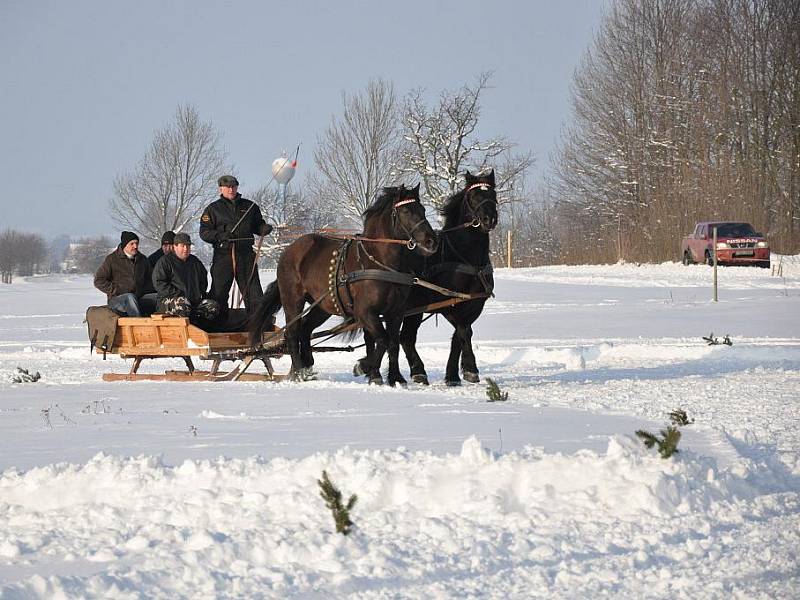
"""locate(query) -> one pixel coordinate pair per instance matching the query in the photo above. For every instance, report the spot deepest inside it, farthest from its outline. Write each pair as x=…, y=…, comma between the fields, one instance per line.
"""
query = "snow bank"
x=252, y=527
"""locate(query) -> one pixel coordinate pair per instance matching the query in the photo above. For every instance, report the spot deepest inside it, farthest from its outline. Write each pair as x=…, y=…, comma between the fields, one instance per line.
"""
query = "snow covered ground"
x=202, y=490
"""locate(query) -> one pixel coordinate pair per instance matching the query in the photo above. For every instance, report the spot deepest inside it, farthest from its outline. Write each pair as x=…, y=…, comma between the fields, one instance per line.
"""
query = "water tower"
x=283, y=169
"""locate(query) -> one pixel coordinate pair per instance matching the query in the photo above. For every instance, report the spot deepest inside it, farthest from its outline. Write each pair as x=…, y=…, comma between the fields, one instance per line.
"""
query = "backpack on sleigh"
x=102, y=323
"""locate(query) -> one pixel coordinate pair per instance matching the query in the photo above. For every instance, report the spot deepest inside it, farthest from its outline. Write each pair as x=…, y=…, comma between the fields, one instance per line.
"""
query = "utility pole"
x=714, y=255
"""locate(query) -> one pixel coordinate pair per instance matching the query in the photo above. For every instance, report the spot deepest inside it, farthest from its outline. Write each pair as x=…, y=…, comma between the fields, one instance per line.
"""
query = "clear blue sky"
x=85, y=83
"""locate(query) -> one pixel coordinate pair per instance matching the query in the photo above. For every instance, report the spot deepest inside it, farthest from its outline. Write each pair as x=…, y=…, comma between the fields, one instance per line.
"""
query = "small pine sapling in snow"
x=667, y=444
x=23, y=376
x=493, y=391
x=680, y=418
x=333, y=500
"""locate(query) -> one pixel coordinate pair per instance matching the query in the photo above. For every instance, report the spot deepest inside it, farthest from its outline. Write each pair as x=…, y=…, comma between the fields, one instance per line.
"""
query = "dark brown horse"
x=460, y=264
x=363, y=278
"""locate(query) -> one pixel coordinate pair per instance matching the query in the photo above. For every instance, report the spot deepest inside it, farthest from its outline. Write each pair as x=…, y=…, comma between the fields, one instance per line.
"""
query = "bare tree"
x=88, y=253
x=32, y=254
x=441, y=143
x=359, y=152
x=9, y=254
x=293, y=213
x=167, y=189
x=21, y=253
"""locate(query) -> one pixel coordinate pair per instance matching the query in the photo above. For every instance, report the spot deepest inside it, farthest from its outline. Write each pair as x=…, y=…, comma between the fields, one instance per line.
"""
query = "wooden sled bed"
x=158, y=336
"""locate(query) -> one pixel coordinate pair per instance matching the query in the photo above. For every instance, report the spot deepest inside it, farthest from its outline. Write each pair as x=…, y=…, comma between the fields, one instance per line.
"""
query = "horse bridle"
x=473, y=212
x=411, y=244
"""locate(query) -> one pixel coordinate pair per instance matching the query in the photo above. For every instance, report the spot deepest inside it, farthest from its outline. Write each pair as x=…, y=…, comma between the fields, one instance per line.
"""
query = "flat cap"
x=183, y=238
x=227, y=180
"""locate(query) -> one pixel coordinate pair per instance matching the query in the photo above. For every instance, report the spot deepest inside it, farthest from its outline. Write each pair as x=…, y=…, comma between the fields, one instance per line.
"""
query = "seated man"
x=181, y=281
x=167, y=240
x=126, y=278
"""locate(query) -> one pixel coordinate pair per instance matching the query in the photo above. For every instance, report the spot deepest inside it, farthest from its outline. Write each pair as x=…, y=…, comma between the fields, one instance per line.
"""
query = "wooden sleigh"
x=159, y=336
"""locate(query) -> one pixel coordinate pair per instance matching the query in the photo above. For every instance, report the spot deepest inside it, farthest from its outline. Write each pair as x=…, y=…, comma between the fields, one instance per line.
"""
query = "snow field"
x=547, y=495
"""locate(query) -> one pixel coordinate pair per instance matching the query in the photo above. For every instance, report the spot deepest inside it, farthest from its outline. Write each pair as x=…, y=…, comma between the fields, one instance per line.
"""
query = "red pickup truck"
x=737, y=244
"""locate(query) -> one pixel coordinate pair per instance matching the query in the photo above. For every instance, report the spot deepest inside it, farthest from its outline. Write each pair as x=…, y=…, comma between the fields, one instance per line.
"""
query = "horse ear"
x=416, y=189
x=468, y=177
x=491, y=176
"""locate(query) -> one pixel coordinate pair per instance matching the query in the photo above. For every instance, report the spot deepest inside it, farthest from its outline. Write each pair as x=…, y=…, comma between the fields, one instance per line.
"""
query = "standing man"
x=181, y=281
x=229, y=224
x=126, y=278
x=166, y=247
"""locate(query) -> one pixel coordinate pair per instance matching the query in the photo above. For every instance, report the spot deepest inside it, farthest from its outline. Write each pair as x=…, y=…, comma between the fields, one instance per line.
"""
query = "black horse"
x=461, y=264
x=361, y=278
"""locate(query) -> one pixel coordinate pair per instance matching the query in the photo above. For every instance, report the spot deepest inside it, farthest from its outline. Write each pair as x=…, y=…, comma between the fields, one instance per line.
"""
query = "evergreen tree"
x=493, y=391
x=333, y=500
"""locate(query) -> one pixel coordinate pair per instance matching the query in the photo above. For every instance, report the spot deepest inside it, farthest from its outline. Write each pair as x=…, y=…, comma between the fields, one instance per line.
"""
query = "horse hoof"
x=452, y=382
x=421, y=379
x=358, y=369
x=378, y=380
x=306, y=374
x=471, y=376
x=400, y=381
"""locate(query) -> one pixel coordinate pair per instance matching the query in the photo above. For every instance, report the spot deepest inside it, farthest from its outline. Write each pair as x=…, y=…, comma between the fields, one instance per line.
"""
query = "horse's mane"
x=451, y=209
x=382, y=202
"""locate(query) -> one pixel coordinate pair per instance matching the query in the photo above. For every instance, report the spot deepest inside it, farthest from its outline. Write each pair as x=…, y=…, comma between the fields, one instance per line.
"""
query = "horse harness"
x=339, y=279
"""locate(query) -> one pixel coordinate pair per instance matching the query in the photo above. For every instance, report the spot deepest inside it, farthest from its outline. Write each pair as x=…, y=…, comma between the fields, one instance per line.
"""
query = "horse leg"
x=451, y=377
x=393, y=348
x=359, y=368
x=372, y=363
x=408, y=339
x=469, y=370
x=311, y=321
x=292, y=338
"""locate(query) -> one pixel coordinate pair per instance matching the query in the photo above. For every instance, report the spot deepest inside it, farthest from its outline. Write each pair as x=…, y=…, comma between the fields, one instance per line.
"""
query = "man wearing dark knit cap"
x=126, y=278
x=166, y=247
x=229, y=224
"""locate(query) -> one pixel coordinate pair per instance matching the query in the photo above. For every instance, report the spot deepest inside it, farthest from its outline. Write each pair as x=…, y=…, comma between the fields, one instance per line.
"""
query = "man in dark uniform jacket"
x=166, y=247
x=229, y=224
x=181, y=281
x=126, y=278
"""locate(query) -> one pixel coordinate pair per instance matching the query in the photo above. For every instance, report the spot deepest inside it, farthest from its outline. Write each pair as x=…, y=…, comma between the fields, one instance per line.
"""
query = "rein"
x=409, y=243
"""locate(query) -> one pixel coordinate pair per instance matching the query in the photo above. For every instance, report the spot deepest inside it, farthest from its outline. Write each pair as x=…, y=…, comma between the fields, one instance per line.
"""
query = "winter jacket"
x=153, y=258
x=122, y=275
x=219, y=218
x=174, y=277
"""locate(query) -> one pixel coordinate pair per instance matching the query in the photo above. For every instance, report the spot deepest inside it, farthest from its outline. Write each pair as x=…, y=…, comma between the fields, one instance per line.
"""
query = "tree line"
x=24, y=254
x=683, y=110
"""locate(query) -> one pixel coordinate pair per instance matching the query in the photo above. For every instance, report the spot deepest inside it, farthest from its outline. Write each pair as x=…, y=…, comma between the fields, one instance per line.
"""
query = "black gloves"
x=265, y=229
x=223, y=239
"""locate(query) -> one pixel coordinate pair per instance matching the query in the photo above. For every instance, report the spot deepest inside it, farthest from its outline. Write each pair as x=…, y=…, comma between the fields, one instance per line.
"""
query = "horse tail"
x=264, y=313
